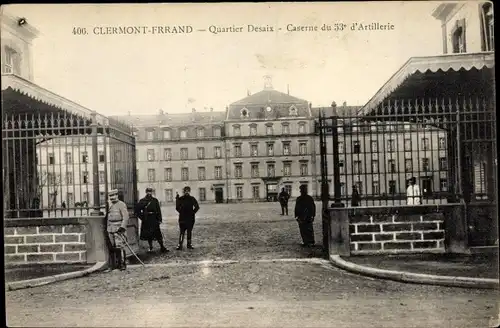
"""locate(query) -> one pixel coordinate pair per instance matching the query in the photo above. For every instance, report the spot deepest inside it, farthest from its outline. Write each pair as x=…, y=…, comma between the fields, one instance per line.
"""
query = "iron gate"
x=447, y=145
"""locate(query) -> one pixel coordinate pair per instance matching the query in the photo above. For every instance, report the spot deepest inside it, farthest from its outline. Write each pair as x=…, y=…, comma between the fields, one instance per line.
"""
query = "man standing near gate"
x=283, y=198
x=149, y=212
x=305, y=211
x=117, y=221
x=187, y=206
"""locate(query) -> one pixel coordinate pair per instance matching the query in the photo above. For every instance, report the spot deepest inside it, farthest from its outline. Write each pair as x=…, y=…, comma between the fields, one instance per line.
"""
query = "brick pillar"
x=339, y=232
x=456, y=231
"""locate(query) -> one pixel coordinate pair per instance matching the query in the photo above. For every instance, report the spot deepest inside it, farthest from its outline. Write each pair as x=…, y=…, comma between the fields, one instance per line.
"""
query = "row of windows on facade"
x=286, y=150
x=217, y=131
x=68, y=157
x=200, y=151
x=54, y=179
x=392, y=165
x=202, y=193
x=238, y=172
x=391, y=187
x=425, y=144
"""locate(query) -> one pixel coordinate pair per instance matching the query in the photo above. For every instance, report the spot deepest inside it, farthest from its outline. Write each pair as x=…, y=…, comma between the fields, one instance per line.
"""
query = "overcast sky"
x=115, y=74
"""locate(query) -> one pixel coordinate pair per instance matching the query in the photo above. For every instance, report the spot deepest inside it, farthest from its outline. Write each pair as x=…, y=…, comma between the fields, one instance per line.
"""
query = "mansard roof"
x=256, y=106
x=173, y=120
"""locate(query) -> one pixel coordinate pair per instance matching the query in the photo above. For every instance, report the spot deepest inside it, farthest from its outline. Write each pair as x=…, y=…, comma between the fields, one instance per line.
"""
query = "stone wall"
x=395, y=230
x=46, y=242
x=61, y=240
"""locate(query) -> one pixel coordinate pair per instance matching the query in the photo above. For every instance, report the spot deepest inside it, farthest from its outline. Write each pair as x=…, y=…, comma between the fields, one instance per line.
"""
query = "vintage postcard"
x=329, y=164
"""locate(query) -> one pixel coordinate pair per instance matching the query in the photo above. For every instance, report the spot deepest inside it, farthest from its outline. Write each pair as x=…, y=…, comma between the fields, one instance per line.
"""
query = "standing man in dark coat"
x=305, y=211
x=283, y=197
x=149, y=212
x=187, y=206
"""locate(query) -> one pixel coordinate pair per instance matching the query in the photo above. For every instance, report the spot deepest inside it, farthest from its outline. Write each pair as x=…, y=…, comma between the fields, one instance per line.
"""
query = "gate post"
x=336, y=169
x=325, y=197
x=96, y=211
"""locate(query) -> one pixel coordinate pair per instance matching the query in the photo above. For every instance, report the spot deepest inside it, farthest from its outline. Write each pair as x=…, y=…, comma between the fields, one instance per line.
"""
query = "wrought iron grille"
x=59, y=164
x=448, y=145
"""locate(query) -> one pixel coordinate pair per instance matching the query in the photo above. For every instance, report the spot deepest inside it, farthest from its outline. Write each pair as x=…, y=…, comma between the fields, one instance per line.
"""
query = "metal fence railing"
x=447, y=145
x=59, y=164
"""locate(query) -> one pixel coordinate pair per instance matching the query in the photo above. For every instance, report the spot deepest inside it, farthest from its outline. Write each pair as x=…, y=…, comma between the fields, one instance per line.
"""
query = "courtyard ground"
x=261, y=289
x=238, y=232
x=252, y=294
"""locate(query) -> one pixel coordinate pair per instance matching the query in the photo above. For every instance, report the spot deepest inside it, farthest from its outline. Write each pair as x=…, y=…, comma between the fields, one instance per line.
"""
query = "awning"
x=22, y=96
x=432, y=77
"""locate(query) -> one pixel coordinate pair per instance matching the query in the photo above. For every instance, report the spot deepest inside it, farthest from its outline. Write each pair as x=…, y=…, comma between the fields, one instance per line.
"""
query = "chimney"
x=211, y=109
x=193, y=110
x=248, y=92
x=161, y=112
x=344, y=104
x=288, y=89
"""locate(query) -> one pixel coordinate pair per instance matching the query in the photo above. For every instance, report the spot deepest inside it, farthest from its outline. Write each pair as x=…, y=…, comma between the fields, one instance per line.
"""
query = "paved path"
x=246, y=295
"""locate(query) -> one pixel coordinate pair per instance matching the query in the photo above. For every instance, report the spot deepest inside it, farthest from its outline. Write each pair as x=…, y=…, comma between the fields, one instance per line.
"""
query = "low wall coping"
x=29, y=222
x=421, y=206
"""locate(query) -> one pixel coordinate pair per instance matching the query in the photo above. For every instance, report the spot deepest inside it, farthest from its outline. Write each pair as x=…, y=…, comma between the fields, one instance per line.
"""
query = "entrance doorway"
x=272, y=192
x=219, y=195
x=427, y=186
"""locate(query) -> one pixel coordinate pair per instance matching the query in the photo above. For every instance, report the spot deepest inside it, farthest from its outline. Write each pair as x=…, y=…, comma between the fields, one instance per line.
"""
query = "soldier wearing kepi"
x=149, y=212
x=187, y=206
x=117, y=221
x=305, y=211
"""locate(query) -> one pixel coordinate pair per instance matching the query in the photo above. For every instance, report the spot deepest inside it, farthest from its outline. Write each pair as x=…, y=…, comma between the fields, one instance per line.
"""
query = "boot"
x=123, y=260
x=181, y=241
x=111, y=260
x=189, y=245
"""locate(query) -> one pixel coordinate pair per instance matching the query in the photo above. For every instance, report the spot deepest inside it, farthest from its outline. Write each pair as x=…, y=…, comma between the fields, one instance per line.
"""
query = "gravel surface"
x=246, y=294
x=237, y=232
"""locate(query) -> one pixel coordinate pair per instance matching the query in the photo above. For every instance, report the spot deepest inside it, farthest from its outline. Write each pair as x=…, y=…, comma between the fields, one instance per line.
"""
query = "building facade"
x=466, y=27
x=268, y=141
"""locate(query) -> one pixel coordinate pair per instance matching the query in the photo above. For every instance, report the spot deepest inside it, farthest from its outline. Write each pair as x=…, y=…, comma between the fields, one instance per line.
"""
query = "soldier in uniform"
x=149, y=212
x=187, y=206
x=117, y=220
x=305, y=211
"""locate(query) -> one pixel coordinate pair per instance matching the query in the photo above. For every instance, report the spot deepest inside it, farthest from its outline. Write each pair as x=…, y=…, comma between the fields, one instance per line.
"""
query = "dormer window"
x=183, y=134
x=293, y=110
x=150, y=135
x=269, y=130
x=12, y=61
x=244, y=113
x=200, y=132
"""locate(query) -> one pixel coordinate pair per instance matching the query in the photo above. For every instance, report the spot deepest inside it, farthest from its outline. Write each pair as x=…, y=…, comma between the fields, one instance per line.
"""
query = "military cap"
x=149, y=189
x=113, y=192
x=187, y=188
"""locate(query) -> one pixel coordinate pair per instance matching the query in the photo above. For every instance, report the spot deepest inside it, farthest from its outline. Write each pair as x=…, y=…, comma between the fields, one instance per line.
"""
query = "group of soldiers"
x=149, y=212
